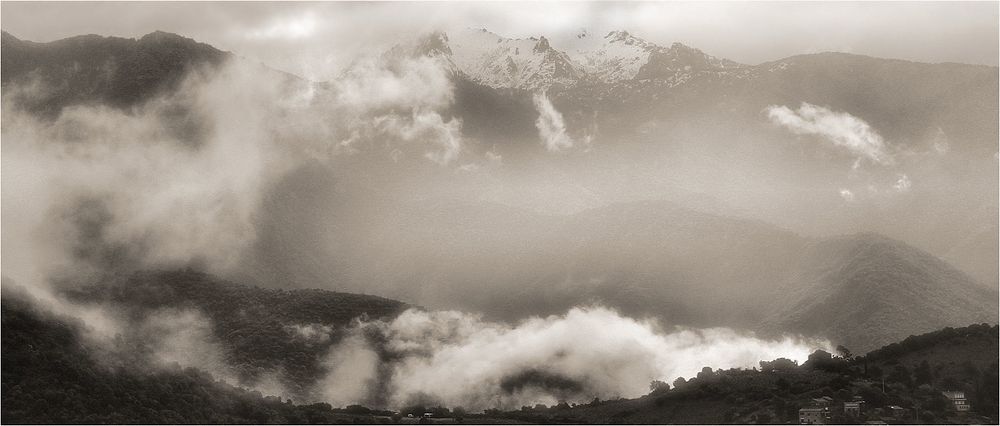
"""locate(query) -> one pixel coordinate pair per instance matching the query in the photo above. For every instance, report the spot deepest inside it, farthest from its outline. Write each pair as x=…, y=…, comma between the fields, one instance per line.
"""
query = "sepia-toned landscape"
x=500, y=213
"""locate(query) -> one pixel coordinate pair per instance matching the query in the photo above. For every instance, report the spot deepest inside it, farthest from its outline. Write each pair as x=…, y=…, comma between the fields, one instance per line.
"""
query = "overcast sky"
x=317, y=39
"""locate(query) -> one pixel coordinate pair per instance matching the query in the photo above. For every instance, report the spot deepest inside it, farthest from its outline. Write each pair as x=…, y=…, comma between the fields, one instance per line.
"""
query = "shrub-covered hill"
x=261, y=330
x=226, y=301
x=776, y=392
x=866, y=290
x=88, y=69
x=52, y=375
x=963, y=358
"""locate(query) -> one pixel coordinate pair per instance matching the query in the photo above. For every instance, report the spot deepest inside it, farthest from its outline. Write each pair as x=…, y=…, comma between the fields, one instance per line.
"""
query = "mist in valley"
x=551, y=245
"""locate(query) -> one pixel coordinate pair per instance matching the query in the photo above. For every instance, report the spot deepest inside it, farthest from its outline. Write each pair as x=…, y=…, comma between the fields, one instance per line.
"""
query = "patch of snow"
x=496, y=61
x=618, y=58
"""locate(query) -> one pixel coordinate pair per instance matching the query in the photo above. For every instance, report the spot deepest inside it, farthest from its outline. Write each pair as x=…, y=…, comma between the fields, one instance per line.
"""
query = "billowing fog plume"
x=177, y=182
x=184, y=337
x=551, y=127
x=457, y=359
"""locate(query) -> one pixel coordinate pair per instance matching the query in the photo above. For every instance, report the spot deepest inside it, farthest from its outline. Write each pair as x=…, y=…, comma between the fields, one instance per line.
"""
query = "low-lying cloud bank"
x=457, y=359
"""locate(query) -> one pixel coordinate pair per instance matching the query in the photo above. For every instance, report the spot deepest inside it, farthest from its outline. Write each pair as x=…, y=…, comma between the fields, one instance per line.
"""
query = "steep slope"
x=774, y=397
x=533, y=64
x=722, y=112
x=976, y=253
x=628, y=81
x=950, y=351
x=647, y=259
x=866, y=290
x=677, y=264
x=622, y=56
x=498, y=62
x=92, y=69
x=862, y=291
x=664, y=63
x=905, y=101
x=262, y=331
x=53, y=375
x=668, y=259
x=618, y=57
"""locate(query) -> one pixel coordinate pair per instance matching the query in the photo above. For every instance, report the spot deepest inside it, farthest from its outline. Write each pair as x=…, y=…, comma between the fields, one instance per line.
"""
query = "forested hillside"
x=913, y=373
x=260, y=330
x=91, y=69
x=52, y=375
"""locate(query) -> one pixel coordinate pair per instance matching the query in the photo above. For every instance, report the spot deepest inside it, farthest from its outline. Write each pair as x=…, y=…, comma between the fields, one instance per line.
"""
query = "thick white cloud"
x=846, y=194
x=185, y=338
x=99, y=176
x=371, y=84
x=313, y=333
x=446, y=137
x=457, y=359
x=839, y=128
x=294, y=27
x=179, y=180
x=351, y=369
x=399, y=101
x=551, y=127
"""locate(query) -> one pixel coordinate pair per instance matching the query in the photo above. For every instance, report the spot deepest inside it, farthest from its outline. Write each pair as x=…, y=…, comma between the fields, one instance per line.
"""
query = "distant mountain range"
x=533, y=64
x=627, y=82
x=872, y=290
x=648, y=259
x=88, y=69
x=627, y=79
x=621, y=84
x=678, y=264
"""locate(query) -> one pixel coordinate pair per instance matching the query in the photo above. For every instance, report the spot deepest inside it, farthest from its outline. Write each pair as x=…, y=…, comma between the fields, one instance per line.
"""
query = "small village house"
x=852, y=409
x=957, y=398
x=814, y=416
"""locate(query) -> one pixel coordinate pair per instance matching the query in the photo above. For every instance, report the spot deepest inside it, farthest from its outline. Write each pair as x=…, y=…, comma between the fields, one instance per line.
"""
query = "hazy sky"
x=316, y=39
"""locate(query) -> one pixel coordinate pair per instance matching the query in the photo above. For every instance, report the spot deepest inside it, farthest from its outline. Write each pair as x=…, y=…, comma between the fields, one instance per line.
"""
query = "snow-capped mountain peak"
x=534, y=64
x=680, y=58
x=495, y=61
x=624, y=37
x=619, y=56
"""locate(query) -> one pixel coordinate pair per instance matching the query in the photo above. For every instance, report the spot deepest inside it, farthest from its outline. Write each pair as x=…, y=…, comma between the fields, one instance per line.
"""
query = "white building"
x=957, y=398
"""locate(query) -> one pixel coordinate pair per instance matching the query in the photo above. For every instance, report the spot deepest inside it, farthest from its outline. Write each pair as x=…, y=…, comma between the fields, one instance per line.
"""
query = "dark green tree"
x=658, y=387
x=679, y=382
x=923, y=374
